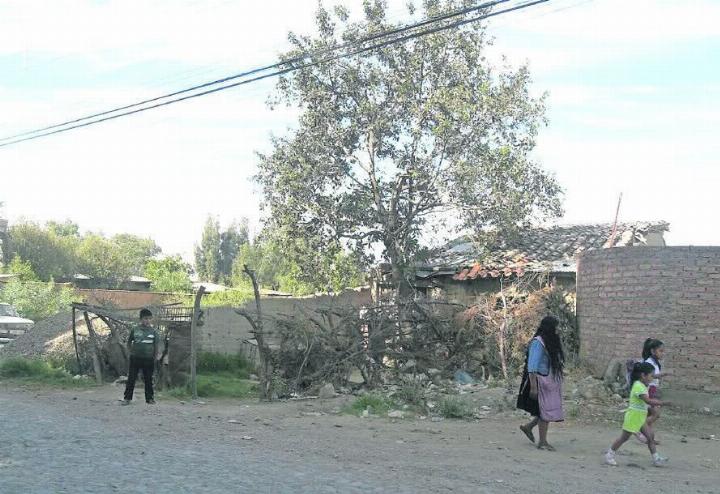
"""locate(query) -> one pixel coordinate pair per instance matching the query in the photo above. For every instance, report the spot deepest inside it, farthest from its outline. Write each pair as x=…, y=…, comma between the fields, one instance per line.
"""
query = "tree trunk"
x=502, y=333
x=266, y=366
x=116, y=351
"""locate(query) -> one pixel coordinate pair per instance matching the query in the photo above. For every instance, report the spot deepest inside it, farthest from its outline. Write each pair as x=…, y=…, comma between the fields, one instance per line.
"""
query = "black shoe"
x=150, y=402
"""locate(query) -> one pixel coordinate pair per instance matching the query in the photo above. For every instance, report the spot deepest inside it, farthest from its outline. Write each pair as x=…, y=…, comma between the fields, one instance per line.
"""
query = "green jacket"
x=143, y=342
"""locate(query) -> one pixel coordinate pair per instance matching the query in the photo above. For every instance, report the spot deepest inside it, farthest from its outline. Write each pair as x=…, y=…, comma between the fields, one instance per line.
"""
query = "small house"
x=461, y=271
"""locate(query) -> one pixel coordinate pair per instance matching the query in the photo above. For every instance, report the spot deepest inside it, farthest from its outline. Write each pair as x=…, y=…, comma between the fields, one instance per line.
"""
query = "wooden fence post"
x=193, y=343
x=77, y=353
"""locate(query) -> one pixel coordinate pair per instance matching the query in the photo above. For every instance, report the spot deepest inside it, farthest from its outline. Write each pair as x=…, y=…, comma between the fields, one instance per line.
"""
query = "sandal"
x=528, y=433
x=546, y=447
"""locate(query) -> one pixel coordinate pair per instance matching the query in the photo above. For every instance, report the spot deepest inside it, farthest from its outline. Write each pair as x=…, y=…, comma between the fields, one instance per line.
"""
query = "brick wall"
x=123, y=299
x=625, y=295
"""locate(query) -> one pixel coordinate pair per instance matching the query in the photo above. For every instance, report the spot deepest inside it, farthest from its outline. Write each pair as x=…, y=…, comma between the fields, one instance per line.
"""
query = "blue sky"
x=633, y=103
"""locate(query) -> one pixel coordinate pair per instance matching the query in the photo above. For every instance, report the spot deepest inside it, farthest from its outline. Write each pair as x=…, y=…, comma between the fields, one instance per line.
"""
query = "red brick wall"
x=625, y=295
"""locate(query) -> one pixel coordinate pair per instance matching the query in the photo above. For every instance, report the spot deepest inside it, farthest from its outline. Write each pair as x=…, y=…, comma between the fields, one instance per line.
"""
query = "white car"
x=11, y=324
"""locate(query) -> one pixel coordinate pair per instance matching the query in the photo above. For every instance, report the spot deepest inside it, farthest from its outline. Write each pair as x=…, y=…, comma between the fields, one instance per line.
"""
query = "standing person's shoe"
x=610, y=458
x=125, y=402
x=150, y=402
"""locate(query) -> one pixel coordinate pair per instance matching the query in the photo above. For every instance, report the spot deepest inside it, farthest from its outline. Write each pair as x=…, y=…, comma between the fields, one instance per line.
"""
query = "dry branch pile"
x=383, y=343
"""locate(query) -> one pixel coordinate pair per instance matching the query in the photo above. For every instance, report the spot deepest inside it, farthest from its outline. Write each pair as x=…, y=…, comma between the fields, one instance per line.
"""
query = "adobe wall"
x=224, y=330
x=467, y=292
x=628, y=294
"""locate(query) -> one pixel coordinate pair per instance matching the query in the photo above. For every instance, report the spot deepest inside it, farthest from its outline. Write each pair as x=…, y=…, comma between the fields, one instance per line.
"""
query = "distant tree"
x=37, y=300
x=275, y=268
x=49, y=255
x=170, y=274
x=392, y=142
x=59, y=251
x=135, y=251
x=23, y=269
x=218, y=249
x=99, y=257
x=207, y=253
x=231, y=240
x=64, y=229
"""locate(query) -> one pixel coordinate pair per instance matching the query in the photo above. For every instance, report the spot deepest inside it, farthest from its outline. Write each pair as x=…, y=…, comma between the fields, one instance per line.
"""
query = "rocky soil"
x=83, y=441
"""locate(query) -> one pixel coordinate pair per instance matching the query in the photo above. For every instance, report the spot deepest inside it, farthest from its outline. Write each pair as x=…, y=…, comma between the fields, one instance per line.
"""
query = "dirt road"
x=83, y=441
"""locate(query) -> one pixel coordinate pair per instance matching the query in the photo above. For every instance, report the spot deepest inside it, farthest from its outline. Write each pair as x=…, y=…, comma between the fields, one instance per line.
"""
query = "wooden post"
x=193, y=344
x=95, y=344
x=77, y=354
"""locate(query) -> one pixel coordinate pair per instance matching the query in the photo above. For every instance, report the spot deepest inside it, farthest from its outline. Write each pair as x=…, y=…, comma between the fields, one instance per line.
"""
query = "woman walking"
x=541, y=388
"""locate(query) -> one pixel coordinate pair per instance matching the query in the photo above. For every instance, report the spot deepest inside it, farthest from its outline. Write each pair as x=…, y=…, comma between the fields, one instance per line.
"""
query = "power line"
x=276, y=65
x=67, y=125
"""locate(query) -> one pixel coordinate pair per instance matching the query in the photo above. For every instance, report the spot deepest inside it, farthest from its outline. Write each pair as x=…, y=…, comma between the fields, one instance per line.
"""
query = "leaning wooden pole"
x=193, y=343
x=77, y=353
x=95, y=345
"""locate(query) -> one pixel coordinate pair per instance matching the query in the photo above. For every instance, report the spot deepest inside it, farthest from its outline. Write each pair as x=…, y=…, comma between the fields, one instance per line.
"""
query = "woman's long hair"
x=548, y=332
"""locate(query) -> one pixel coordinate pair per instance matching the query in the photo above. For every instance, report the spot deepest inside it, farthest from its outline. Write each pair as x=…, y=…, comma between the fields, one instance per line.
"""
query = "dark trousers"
x=147, y=366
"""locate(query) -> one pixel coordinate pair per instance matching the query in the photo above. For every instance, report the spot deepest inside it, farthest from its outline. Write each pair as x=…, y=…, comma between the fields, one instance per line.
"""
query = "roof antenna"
x=611, y=241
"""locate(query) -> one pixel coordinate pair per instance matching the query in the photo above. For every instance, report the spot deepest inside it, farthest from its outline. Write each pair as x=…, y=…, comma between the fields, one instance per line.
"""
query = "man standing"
x=143, y=344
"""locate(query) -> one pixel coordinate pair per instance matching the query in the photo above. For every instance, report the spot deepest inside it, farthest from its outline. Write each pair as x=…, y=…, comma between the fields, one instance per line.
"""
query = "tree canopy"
x=217, y=250
x=57, y=250
x=388, y=145
x=170, y=274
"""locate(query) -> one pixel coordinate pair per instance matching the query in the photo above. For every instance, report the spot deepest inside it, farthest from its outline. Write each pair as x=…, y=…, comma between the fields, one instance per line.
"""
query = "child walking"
x=636, y=414
x=652, y=354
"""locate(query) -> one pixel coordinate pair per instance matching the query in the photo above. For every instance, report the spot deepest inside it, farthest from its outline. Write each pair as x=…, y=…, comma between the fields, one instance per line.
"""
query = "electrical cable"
x=41, y=133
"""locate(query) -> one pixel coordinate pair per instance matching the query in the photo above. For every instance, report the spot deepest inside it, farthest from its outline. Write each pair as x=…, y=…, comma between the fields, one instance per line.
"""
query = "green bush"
x=37, y=371
x=228, y=298
x=373, y=402
x=22, y=367
x=37, y=300
x=220, y=385
x=210, y=362
x=454, y=407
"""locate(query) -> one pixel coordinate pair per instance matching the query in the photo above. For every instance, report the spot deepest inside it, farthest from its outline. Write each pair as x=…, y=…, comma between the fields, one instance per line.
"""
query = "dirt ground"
x=82, y=441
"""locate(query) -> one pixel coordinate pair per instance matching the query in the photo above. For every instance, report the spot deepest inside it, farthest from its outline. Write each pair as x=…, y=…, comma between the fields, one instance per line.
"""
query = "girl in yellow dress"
x=636, y=414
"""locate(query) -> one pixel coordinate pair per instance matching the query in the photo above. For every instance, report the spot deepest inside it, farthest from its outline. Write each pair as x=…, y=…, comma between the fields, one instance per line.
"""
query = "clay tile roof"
x=540, y=249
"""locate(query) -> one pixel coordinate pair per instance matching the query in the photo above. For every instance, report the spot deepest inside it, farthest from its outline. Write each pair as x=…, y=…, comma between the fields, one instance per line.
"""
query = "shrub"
x=209, y=362
x=454, y=407
x=412, y=393
x=37, y=300
x=218, y=386
x=37, y=371
x=228, y=298
x=22, y=367
x=376, y=403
